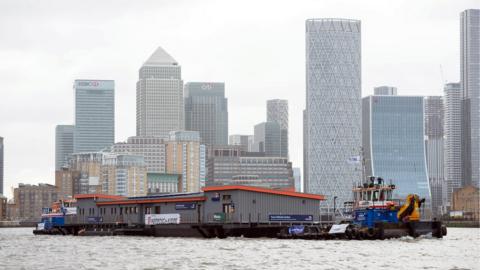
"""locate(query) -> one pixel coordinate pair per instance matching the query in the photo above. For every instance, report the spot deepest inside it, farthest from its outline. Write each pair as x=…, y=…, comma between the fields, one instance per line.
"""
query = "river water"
x=20, y=249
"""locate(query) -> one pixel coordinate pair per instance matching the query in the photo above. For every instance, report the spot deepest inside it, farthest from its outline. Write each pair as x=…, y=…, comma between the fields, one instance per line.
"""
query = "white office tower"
x=333, y=111
x=159, y=96
x=470, y=82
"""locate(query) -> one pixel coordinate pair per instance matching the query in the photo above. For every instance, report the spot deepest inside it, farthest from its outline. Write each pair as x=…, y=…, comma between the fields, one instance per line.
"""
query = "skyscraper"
x=206, y=111
x=470, y=82
x=245, y=141
x=333, y=111
x=393, y=140
x=94, y=115
x=453, y=138
x=267, y=139
x=385, y=91
x=277, y=111
x=1, y=165
x=434, y=121
x=63, y=144
x=159, y=96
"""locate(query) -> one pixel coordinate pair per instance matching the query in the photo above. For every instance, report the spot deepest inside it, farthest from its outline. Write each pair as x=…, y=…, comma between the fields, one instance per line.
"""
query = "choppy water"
x=20, y=249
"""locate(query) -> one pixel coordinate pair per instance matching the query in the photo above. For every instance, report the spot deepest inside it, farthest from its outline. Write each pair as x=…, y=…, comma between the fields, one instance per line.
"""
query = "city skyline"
x=20, y=168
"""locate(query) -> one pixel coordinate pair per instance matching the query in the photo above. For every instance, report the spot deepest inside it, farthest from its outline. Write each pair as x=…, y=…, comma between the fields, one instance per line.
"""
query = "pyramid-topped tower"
x=159, y=96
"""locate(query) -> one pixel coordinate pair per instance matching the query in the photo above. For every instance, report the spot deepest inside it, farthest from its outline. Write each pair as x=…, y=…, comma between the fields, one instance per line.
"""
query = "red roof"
x=99, y=196
x=154, y=200
x=266, y=190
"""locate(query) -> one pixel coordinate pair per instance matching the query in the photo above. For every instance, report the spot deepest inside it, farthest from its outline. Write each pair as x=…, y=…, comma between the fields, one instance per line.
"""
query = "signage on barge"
x=94, y=219
x=307, y=218
x=185, y=206
x=153, y=219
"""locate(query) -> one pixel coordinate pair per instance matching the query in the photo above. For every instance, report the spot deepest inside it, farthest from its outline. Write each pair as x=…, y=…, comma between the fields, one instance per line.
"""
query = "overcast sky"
x=256, y=47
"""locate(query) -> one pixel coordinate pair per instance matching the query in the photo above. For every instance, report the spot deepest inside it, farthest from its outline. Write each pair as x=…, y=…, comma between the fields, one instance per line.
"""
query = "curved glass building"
x=332, y=118
x=393, y=141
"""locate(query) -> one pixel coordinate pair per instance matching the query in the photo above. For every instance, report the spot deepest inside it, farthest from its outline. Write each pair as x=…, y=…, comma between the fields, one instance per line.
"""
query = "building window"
x=157, y=209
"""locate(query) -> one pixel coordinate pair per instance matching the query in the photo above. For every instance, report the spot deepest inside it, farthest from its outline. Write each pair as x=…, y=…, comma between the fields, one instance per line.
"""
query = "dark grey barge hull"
x=320, y=232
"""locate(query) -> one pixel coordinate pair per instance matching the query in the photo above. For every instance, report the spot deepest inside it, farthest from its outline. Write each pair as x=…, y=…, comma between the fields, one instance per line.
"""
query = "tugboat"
x=375, y=215
x=53, y=218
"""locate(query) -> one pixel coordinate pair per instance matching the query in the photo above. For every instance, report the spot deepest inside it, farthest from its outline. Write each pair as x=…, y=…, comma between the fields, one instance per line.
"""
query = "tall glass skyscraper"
x=470, y=81
x=159, y=96
x=333, y=113
x=393, y=140
x=63, y=144
x=434, y=147
x=453, y=138
x=277, y=111
x=206, y=111
x=94, y=115
x=267, y=139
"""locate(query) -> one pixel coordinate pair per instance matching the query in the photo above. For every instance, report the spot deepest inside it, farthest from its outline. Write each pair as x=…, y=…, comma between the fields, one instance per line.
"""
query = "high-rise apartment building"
x=206, y=111
x=277, y=111
x=333, y=108
x=124, y=175
x=434, y=147
x=470, y=83
x=245, y=141
x=267, y=139
x=159, y=96
x=94, y=115
x=63, y=144
x=1, y=165
x=393, y=143
x=453, y=138
x=183, y=157
x=385, y=91
x=151, y=148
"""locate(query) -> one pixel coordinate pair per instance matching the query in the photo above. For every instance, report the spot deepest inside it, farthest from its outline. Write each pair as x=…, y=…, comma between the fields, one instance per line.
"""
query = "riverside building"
x=229, y=165
x=332, y=119
x=159, y=96
x=94, y=115
x=30, y=199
